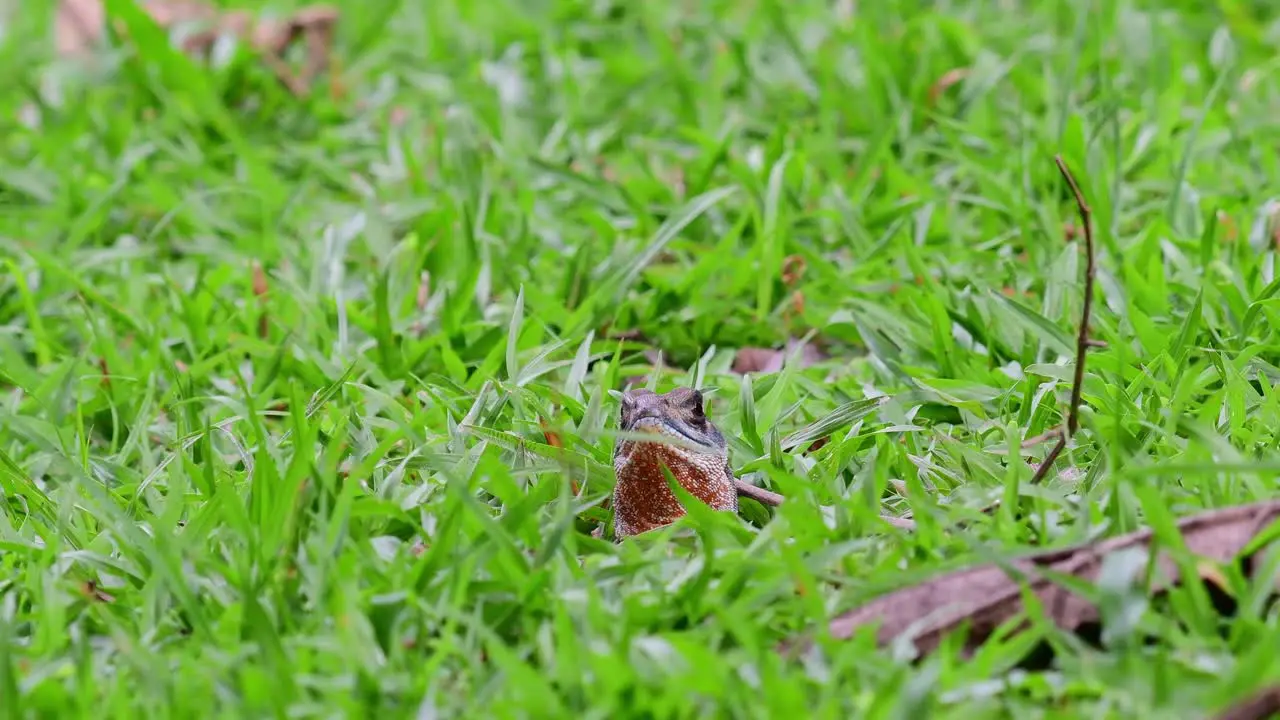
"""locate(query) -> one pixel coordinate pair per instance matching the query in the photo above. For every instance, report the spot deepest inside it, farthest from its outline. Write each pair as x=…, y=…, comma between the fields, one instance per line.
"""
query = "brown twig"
x=1053, y=434
x=1262, y=704
x=758, y=494
x=899, y=522
x=1082, y=337
x=773, y=499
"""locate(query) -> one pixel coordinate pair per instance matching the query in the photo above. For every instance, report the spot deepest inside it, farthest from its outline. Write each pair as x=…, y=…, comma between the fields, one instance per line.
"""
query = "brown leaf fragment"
x=260, y=292
x=259, y=280
x=91, y=591
x=632, y=334
x=948, y=79
x=1264, y=703
x=771, y=360
x=1053, y=434
x=424, y=291
x=793, y=269
x=421, y=299
x=902, y=523
x=797, y=304
x=817, y=445
x=757, y=359
x=79, y=26
x=987, y=596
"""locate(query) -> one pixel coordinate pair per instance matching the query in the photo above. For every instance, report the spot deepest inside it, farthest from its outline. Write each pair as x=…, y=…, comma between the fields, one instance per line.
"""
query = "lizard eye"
x=695, y=405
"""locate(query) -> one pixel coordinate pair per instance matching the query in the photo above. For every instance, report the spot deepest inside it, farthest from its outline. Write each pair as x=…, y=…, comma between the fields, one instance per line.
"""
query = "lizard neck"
x=643, y=501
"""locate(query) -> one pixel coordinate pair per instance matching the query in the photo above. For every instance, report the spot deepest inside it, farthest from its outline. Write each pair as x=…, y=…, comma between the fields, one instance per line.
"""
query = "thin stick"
x=758, y=494
x=1042, y=437
x=773, y=499
x=1082, y=337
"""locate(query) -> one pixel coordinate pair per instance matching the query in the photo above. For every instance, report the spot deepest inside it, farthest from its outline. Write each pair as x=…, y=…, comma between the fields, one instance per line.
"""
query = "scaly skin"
x=642, y=501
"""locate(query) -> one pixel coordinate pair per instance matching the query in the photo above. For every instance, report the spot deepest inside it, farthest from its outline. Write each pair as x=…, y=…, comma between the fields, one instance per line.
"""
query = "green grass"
x=340, y=499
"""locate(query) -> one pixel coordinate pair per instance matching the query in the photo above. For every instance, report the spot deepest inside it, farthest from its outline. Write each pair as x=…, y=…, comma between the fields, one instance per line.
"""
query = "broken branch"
x=985, y=597
x=760, y=495
x=773, y=499
x=1082, y=336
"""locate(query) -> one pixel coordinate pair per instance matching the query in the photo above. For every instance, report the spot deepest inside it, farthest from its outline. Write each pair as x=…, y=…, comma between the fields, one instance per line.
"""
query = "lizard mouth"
x=654, y=425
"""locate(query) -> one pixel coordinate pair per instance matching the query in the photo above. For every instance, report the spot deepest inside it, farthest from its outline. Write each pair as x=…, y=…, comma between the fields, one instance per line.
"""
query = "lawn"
x=307, y=402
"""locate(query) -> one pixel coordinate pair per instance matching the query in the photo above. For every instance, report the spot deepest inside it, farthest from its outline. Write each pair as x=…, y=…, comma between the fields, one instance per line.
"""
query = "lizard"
x=698, y=460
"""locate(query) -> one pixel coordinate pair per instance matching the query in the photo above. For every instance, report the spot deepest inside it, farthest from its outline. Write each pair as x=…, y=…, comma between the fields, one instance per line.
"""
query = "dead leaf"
x=1232, y=230
x=986, y=596
x=424, y=291
x=1262, y=704
x=769, y=360
x=609, y=333
x=79, y=26
x=259, y=280
x=422, y=297
x=553, y=439
x=260, y=292
x=948, y=79
x=817, y=445
x=797, y=303
x=91, y=591
x=793, y=268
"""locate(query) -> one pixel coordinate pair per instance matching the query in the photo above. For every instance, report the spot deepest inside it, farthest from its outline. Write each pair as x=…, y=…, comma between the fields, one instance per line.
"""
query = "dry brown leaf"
x=769, y=360
x=421, y=298
x=793, y=269
x=259, y=280
x=553, y=439
x=1262, y=704
x=424, y=291
x=986, y=596
x=1232, y=230
x=90, y=590
x=260, y=290
x=79, y=26
x=948, y=79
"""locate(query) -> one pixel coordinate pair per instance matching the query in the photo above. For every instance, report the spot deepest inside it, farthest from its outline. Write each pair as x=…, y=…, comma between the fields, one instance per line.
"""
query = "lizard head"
x=678, y=415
